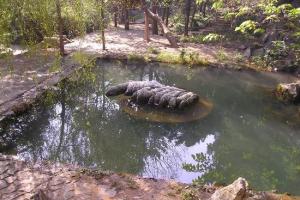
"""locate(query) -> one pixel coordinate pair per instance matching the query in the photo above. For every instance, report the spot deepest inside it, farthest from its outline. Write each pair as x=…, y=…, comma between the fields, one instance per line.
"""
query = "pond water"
x=248, y=133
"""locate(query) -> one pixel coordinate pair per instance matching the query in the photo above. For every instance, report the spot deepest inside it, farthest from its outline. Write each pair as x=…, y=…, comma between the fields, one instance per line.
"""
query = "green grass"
x=189, y=58
x=138, y=58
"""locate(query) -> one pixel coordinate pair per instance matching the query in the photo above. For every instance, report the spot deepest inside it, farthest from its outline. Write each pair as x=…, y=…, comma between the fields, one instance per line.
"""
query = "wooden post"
x=146, y=32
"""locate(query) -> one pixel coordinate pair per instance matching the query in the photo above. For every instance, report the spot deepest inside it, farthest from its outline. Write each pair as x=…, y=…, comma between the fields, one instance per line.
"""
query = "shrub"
x=277, y=50
x=213, y=37
x=247, y=27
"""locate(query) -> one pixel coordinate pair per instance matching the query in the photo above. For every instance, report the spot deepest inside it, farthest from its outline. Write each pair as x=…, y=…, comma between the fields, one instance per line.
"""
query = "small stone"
x=258, y=52
x=242, y=47
x=3, y=184
x=247, y=52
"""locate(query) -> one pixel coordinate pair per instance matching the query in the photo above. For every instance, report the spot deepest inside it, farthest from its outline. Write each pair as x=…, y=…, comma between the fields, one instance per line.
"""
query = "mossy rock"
x=289, y=93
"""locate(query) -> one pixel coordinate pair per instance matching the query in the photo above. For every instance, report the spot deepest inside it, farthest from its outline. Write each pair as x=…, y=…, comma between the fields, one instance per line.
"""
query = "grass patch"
x=131, y=183
x=152, y=50
x=188, y=194
x=137, y=58
x=203, y=39
x=221, y=55
x=189, y=58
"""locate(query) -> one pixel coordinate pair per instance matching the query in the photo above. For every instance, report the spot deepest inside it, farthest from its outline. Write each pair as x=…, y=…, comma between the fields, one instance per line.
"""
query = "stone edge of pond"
x=25, y=100
x=46, y=180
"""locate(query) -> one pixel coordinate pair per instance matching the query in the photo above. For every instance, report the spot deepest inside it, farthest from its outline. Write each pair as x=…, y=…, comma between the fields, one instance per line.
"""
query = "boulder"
x=258, y=52
x=155, y=94
x=248, y=53
x=289, y=93
x=235, y=191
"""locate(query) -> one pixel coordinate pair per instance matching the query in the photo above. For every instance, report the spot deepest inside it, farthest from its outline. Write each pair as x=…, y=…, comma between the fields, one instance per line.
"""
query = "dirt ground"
x=120, y=41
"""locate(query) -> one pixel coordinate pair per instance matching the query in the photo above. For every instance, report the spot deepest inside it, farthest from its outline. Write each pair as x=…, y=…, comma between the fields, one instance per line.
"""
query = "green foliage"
x=177, y=23
x=259, y=31
x=229, y=16
x=294, y=13
x=277, y=50
x=247, y=27
x=189, y=58
x=209, y=38
x=153, y=50
x=244, y=11
x=217, y=4
x=213, y=37
x=29, y=21
x=271, y=19
x=188, y=194
x=221, y=55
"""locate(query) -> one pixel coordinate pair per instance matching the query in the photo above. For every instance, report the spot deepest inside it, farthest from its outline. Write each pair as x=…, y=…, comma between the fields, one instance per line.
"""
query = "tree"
x=102, y=23
x=166, y=31
x=187, y=16
x=146, y=33
x=154, y=23
x=125, y=5
x=60, y=28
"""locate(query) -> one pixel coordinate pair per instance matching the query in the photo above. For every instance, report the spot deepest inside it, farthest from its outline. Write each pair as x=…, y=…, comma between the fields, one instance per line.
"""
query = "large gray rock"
x=289, y=93
x=235, y=191
x=154, y=93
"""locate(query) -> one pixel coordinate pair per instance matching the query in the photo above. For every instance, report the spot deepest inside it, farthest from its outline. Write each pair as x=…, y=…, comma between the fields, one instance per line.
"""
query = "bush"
x=247, y=27
x=177, y=23
x=213, y=37
x=277, y=50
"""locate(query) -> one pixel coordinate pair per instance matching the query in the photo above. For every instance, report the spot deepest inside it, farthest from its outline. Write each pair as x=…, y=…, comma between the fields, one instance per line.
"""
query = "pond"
x=248, y=133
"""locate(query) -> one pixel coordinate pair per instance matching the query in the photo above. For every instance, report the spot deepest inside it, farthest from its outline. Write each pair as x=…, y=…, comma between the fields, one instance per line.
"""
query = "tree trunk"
x=116, y=17
x=204, y=9
x=146, y=33
x=167, y=16
x=163, y=14
x=187, y=17
x=60, y=28
x=193, y=14
x=154, y=23
x=102, y=25
x=164, y=28
x=126, y=19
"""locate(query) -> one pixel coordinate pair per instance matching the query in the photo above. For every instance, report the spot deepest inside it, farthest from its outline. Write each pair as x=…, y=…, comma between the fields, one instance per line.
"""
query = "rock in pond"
x=289, y=93
x=155, y=94
x=235, y=191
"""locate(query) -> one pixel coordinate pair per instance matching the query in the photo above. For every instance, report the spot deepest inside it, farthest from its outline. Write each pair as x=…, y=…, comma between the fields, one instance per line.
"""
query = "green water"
x=248, y=133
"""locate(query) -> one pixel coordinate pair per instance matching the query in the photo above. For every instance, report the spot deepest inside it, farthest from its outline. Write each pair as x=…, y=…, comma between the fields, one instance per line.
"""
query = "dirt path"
x=122, y=42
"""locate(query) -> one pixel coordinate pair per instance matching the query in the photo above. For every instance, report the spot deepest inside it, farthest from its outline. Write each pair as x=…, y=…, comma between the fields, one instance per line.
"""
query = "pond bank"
x=47, y=181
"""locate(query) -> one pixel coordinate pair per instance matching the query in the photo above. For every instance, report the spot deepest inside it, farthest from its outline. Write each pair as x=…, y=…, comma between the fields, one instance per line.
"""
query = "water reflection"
x=240, y=137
